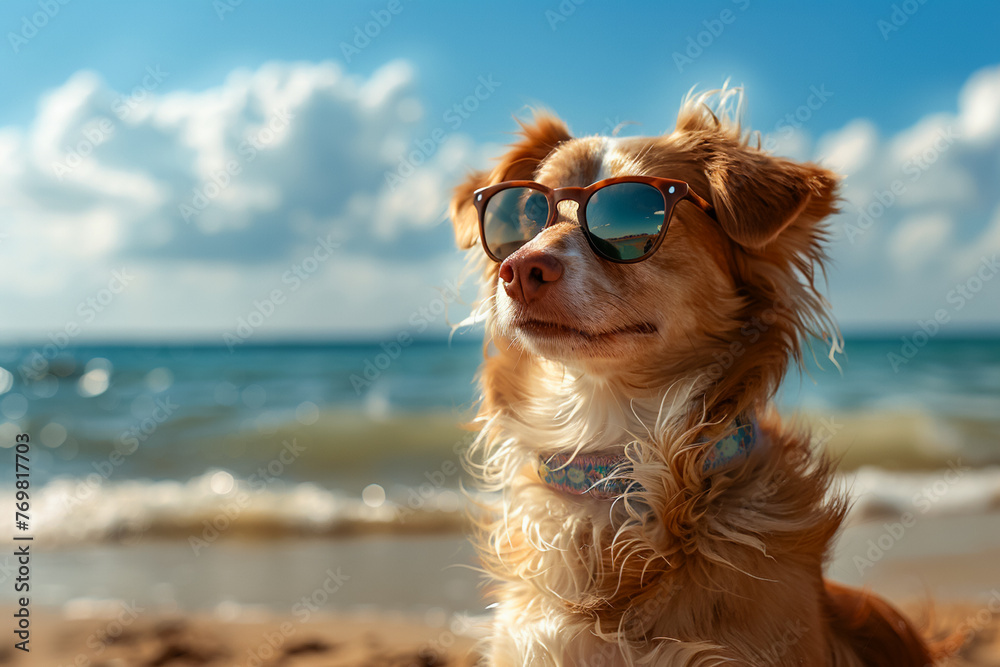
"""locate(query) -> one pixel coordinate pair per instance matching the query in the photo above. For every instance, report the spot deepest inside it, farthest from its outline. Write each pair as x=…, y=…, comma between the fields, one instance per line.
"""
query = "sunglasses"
x=624, y=218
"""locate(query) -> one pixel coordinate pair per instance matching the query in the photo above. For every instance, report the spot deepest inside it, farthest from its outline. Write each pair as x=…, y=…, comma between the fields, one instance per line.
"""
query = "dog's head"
x=715, y=294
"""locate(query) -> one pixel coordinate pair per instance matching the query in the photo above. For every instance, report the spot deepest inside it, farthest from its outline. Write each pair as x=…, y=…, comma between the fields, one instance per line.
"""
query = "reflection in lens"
x=625, y=219
x=512, y=218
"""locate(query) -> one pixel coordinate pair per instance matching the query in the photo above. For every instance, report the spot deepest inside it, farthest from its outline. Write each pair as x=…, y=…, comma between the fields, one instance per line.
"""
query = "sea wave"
x=902, y=439
x=957, y=489
x=69, y=511
x=215, y=505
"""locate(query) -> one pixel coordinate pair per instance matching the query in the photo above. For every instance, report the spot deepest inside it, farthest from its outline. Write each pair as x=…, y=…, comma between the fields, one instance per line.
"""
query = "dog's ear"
x=538, y=138
x=757, y=196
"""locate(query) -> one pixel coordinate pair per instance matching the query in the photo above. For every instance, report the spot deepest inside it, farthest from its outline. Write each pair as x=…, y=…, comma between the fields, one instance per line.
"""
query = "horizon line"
x=861, y=333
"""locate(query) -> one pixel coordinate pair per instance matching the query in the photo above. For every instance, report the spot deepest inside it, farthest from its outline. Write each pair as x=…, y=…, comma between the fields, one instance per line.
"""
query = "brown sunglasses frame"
x=682, y=191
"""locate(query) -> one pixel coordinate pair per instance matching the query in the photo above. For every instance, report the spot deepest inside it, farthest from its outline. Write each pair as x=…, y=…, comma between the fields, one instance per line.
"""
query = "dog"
x=643, y=298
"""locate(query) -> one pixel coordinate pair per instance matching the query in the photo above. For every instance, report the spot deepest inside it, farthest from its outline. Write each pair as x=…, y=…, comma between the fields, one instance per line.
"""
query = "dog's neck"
x=573, y=411
x=584, y=556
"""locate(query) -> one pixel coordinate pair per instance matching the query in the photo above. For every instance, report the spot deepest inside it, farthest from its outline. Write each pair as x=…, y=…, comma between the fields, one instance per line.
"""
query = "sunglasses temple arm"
x=701, y=203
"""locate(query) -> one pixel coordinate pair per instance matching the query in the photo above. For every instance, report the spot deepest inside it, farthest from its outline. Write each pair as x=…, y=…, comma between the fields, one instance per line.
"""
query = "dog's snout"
x=527, y=274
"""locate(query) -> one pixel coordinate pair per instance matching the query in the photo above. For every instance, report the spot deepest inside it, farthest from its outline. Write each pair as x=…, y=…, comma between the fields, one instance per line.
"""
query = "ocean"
x=317, y=425
x=153, y=467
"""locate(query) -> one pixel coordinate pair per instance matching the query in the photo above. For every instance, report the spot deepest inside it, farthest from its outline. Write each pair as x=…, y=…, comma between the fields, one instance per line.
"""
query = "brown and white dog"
x=654, y=362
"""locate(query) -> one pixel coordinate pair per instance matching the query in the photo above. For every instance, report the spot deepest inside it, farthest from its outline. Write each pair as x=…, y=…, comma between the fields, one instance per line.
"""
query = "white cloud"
x=209, y=197
x=924, y=198
x=986, y=244
x=917, y=239
x=979, y=106
x=313, y=145
x=851, y=148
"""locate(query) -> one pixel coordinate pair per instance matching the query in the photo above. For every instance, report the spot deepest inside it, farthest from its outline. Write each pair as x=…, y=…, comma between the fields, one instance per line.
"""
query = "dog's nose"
x=526, y=275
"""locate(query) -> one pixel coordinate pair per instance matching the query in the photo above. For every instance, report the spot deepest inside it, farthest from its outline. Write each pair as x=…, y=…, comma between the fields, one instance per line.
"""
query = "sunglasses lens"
x=512, y=218
x=625, y=219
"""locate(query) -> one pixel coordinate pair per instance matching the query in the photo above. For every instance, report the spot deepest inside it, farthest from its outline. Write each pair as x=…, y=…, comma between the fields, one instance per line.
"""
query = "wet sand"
x=333, y=640
x=403, y=601
x=176, y=641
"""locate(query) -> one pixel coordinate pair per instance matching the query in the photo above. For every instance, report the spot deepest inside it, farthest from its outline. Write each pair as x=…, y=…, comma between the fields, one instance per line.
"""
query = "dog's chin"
x=575, y=342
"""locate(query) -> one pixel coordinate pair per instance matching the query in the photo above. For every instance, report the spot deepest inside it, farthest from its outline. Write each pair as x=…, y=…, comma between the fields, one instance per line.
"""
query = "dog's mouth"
x=555, y=330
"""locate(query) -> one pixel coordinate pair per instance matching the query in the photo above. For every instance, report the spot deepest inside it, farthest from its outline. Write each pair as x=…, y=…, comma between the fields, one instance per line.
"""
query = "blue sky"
x=210, y=89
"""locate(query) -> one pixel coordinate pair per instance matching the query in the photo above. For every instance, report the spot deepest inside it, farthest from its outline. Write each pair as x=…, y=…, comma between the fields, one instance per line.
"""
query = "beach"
x=171, y=639
x=330, y=641
x=284, y=322
x=254, y=508
x=403, y=601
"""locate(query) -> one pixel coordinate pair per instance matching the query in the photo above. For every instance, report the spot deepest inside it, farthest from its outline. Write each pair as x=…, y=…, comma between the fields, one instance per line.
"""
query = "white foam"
x=950, y=491
x=68, y=511
x=213, y=505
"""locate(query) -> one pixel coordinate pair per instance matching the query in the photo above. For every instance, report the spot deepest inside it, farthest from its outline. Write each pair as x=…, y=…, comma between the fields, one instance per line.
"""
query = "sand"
x=181, y=641
x=330, y=641
x=407, y=600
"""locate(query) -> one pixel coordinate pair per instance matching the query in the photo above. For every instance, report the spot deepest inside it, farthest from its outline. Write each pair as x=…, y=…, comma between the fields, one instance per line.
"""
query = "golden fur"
x=694, y=568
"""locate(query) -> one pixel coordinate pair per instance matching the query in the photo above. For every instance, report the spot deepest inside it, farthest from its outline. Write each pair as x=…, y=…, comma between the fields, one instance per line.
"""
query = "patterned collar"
x=604, y=476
